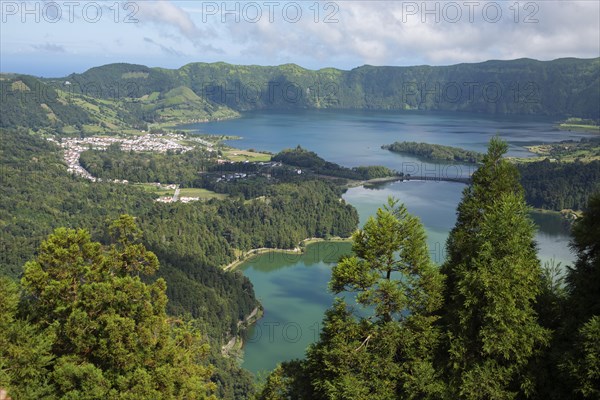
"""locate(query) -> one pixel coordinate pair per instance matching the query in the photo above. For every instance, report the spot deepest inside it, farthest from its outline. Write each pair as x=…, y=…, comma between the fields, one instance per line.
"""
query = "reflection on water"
x=314, y=254
x=553, y=237
x=551, y=224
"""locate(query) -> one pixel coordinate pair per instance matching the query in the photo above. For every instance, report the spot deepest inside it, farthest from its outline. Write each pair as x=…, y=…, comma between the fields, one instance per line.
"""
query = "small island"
x=435, y=152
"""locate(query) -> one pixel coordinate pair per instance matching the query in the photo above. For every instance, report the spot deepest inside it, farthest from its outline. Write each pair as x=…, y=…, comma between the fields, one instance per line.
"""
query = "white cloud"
x=391, y=32
x=49, y=47
x=168, y=50
x=367, y=32
x=166, y=14
x=163, y=12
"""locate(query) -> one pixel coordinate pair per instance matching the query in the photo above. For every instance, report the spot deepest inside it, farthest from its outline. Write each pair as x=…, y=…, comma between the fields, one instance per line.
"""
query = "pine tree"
x=493, y=278
x=108, y=332
x=385, y=353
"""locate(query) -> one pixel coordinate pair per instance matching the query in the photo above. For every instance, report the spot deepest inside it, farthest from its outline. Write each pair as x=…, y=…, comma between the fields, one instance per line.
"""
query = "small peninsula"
x=435, y=152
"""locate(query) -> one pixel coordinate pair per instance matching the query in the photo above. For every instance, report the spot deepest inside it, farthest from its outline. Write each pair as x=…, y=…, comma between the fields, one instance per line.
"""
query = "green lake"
x=293, y=287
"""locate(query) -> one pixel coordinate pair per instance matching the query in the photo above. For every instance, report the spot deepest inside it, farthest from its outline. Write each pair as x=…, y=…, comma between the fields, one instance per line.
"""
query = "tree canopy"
x=386, y=351
x=493, y=279
x=99, y=330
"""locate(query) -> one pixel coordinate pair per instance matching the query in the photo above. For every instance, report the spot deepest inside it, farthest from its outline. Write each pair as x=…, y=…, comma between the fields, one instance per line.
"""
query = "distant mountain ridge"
x=561, y=87
x=201, y=91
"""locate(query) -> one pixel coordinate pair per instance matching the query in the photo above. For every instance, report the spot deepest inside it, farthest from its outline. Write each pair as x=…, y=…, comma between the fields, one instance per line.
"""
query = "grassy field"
x=154, y=189
x=564, y=152
x=203, y=194
x=579, y=124
x=246, y=155
x=579, y=127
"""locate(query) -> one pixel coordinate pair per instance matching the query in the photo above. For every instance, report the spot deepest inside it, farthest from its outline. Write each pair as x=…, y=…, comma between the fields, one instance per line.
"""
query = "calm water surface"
x=292, y=287
x=353, y=138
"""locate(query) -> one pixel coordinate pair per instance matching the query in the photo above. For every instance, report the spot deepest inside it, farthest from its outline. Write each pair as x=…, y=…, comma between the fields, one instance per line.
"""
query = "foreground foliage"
x=493, y=279
x=191, y=241
x=490, y=324
x=98, y=329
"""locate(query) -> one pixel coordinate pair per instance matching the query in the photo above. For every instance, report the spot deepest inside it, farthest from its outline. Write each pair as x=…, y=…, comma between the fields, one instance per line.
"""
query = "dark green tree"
x=387, y=351
x=583, y=306
x=25, y=350
x=583, y=280
x=551, y=308
x=110, y=334
x=493, y=279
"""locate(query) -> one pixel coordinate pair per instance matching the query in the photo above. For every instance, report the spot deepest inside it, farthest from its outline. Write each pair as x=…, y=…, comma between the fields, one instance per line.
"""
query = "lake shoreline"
x=299, y=249
x=568, y=215
x=235, y=346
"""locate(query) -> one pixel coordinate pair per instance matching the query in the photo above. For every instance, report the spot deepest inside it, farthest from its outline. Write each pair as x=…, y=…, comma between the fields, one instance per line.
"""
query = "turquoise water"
x=293, y=291
x=292, y=287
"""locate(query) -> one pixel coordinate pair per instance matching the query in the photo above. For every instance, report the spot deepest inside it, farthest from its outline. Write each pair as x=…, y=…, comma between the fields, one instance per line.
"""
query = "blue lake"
x=354, y=138
x=292, y=287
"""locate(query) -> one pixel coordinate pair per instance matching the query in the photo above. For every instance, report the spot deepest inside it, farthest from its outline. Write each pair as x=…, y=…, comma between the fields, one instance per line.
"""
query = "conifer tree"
x=582, y=364
x=386, y=352
x=493, y=278
x=25, y=350
x=106, y=332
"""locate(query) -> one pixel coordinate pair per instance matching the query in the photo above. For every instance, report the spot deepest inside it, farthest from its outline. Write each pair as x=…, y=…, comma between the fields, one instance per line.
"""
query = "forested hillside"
x=39, y=195
x=559, y=185
x=183, y=169
x=28, y=102
x=564, y=87
x=191, y=241
x=122, y=96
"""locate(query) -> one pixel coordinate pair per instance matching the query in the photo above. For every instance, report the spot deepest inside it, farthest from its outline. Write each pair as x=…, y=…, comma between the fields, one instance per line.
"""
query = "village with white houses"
x=160, y=143
x=163, y=143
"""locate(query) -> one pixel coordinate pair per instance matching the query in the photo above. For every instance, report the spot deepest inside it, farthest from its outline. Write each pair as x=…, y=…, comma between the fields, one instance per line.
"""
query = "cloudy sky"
x=55, y=38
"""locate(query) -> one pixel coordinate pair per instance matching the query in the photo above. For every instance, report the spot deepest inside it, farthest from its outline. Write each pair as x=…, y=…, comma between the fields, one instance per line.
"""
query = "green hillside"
x=563, y=87
x=122, y=97
x=28, y=102
x=182, y=105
